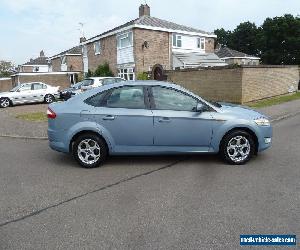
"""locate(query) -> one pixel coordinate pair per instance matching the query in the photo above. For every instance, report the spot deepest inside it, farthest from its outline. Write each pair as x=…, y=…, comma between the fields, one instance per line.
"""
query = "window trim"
x=200, y=41
x=175, y=40
x=152, y=101
x=124, y=36
x=99, y=44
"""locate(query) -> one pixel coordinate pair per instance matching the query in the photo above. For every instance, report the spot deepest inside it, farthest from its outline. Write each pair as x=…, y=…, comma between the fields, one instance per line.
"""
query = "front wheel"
x=89, y=150
x=4, y=102
x=237, y=147
x=49, y=98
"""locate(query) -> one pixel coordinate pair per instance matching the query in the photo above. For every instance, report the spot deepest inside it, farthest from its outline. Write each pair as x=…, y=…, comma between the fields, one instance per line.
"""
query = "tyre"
x=49, y=98
x=89, y=150
x=237, y=147
x=4, y=102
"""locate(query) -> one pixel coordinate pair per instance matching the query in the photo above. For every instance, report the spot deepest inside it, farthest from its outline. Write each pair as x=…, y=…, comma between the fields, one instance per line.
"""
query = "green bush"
x=142, y=76
x=103, y=70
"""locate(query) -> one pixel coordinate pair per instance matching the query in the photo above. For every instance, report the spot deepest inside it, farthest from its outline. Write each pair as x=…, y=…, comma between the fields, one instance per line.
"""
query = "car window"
x=119, y=79
x=87, y=82
x=96, y=100
x=25, y=87
x=131, y=97
x=44, y=86
x=36, y=86
x=109, y=81
x=171, y=99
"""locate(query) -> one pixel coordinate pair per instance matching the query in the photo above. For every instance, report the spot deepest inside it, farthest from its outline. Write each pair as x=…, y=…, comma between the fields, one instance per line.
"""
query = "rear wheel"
x=49, y=98
x=4, y=102
x=237, y=147
x=89, y=150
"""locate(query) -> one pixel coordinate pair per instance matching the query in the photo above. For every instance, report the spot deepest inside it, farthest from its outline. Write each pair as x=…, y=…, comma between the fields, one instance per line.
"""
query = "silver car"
x=29, y=93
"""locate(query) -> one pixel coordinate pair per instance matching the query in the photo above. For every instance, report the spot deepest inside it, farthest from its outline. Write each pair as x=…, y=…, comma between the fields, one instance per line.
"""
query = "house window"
x=36, y=69
x=177, y=42
x=201, y=43
x=64, y=60
x=124, y=40
x=127, y=73
x=97, y=47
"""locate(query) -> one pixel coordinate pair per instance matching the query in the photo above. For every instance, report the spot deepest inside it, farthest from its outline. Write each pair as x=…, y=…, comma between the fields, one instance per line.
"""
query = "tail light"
x=51, y=114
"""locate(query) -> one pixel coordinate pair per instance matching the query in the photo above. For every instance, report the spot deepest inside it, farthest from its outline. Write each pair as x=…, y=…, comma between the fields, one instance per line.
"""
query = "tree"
x=6, y=68
x=280, y=43
x=277, y=41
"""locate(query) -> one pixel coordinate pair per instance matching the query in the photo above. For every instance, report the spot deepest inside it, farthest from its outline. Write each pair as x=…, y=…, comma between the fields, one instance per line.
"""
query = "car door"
x=176, y=122
x=24, y=93
x=38, y=92
x=124, y=112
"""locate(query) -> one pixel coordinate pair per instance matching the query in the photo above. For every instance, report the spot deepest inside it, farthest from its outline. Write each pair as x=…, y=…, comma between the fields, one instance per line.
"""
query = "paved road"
x=174, y=202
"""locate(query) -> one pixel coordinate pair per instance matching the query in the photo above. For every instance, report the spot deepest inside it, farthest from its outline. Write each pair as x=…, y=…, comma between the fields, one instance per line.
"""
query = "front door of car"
x=124, y=113
x=24, y=93
x=177, y=123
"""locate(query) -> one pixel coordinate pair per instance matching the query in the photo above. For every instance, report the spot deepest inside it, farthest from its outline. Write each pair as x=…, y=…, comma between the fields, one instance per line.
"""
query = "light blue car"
x=150, y=117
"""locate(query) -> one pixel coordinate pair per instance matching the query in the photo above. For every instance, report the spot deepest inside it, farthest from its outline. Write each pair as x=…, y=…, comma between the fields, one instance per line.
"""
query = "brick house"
x=231, y=56
x=69, y=60
x=39, y=64
x=149, y=44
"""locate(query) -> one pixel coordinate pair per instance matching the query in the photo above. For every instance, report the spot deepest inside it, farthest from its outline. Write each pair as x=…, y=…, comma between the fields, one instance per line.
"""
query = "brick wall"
x=209, y=45
x=238, y=85
x=5, y=84
x=75, y=63
x=212, y=84
x=108, y=54
x=266, y=81
x=62, y=80
x=158, y=51
x=56, y=62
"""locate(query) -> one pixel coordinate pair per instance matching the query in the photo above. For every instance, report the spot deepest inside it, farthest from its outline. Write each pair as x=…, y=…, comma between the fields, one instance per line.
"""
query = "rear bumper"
x=56, y=143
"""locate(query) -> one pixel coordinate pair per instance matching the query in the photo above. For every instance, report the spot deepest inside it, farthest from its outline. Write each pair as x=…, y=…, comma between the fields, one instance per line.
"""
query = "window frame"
x=128, y=35
x=153, y=104
x=176, y=38
x=97, y=47
x=129, y=72
x=200, y=42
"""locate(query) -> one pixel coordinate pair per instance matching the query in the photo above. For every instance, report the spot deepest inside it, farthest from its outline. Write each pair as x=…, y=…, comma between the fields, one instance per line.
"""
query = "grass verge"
x=274, y=100
x=33, y=117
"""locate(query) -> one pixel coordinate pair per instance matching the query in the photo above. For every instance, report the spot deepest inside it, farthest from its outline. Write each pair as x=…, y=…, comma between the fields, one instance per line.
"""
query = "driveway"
x=172, y=202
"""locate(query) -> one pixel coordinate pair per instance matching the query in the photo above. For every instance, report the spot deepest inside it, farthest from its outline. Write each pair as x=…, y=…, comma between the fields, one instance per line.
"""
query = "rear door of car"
x=38, y=91
x=125, y=113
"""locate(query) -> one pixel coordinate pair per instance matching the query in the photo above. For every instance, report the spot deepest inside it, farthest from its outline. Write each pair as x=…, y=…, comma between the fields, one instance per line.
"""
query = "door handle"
x=164, y=119
x=108, y=118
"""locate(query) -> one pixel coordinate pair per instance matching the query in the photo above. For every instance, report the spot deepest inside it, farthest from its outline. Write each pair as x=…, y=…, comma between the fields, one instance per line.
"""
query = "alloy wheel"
x=88, y=151
x=238, y=148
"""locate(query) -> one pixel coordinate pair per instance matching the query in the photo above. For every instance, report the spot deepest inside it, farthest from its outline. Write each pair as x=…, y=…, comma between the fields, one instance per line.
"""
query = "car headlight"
x=262, y=121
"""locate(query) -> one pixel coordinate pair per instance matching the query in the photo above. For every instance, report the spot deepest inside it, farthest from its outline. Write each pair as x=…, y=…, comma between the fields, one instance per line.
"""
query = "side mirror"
x=200, y=107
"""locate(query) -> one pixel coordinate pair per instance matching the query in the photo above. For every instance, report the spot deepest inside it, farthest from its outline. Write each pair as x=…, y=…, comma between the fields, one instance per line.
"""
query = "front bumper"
x=264, y=135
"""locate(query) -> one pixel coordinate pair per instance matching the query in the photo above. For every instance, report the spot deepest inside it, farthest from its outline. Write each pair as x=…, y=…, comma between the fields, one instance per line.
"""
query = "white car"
x=32, y=92
x=94, y=82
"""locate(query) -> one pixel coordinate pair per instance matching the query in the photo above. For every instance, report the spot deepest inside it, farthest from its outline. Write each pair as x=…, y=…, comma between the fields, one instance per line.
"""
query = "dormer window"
x=177, y=42
x=97, y=48
x=201, y=43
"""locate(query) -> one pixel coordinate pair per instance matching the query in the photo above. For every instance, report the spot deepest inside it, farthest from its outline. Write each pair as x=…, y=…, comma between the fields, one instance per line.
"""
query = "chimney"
x=42, y=54
x=144, y=10
x=82, y=39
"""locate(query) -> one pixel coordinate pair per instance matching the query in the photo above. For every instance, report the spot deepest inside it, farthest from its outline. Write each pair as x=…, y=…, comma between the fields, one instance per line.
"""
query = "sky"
x=29, y=26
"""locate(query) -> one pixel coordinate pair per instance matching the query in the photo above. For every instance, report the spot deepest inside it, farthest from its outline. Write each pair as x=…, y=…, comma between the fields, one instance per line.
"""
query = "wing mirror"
x=201, y=107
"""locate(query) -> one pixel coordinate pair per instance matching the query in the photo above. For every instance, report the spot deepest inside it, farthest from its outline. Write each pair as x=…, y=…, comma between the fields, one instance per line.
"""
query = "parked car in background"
x=149, y=117
x=94, y=82
x=32, y=92
x=69, y=92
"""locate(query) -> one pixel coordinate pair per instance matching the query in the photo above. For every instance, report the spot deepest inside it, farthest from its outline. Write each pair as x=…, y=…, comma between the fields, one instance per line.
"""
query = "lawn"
x=33, y=117
x=274, y=100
